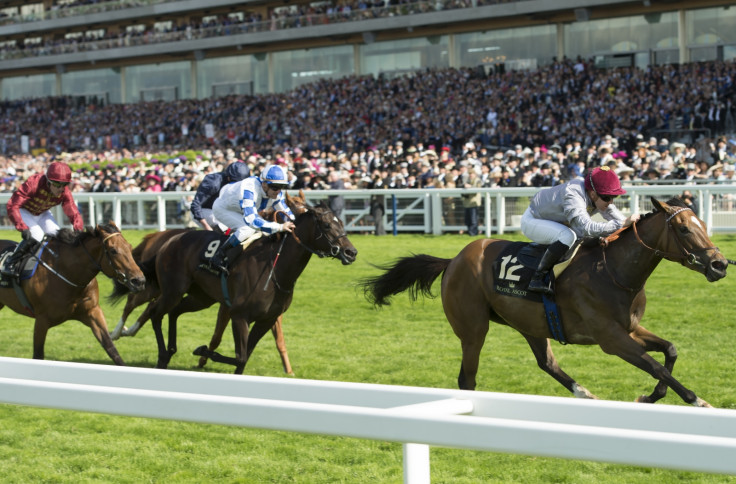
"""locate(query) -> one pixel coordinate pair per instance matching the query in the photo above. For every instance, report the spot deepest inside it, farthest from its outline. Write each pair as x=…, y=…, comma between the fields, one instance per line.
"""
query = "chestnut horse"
x=260, y=284
x=600, y=296
x=64, y=287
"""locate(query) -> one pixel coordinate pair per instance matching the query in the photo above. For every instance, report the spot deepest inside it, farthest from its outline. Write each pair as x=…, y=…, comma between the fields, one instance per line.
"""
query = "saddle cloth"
x=515, y=266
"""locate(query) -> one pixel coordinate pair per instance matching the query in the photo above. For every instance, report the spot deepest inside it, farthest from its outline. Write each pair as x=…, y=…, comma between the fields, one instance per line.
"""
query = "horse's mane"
x=74, y=238
x=674, y=201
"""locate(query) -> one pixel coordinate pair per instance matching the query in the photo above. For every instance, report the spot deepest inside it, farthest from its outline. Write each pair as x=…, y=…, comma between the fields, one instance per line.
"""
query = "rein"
x=683, y=256
x=119, y=275
x=334, y=251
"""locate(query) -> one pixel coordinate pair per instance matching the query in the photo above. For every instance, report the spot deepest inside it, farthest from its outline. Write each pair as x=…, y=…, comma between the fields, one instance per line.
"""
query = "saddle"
x=25, y=269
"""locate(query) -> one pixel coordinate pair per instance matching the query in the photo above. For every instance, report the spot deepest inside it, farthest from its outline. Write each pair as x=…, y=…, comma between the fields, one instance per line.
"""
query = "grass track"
x=333, y=334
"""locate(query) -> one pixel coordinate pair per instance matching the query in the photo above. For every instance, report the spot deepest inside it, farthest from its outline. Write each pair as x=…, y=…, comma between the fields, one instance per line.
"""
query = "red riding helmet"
x=603, y=181
x=59, y=172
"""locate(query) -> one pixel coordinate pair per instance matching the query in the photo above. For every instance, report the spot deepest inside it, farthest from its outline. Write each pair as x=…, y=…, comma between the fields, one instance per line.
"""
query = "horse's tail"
x=416, y=273
x=119, y=290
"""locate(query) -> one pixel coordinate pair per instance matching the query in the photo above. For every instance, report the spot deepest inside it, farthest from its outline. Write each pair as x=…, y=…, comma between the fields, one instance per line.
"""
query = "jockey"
x=558, y=216
x=238, y=208
x=28, y=208
x=209, y=189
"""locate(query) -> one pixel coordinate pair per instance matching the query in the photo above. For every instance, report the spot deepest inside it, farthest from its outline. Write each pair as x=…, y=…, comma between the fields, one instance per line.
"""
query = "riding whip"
x=273, y=267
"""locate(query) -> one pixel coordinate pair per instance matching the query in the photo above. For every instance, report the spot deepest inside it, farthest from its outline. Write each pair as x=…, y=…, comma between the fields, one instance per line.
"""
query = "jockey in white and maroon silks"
x=558, y=216
x=28, y=207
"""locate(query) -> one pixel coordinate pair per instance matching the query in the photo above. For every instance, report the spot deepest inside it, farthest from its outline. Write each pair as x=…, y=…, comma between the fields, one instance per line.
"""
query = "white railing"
x=430, y=211
x=674, y=437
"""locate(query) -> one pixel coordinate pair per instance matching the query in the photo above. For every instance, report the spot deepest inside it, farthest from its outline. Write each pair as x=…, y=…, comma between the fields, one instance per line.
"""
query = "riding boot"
x=225, y=253
x=553, y=254
x=25, y=246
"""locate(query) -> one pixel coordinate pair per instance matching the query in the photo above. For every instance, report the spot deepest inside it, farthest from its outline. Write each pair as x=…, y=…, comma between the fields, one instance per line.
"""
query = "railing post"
x=416, y=464
x=161, y=212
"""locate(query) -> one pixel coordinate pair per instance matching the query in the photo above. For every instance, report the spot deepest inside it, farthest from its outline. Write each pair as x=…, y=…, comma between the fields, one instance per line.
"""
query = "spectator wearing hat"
x=472, y=202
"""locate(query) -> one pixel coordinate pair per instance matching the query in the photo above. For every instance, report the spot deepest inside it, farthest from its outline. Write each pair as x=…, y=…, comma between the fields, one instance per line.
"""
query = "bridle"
x=333, y=242
x=684, y=256
x=334, y=250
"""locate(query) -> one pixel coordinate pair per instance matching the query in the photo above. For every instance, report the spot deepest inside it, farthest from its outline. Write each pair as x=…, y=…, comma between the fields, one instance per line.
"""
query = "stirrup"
x=539, y=286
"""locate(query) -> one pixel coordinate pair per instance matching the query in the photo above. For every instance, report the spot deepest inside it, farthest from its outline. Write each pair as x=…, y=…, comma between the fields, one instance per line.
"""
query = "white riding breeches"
x=39, y=225
x=232, y=220
x=209, y=215
x=546, y=232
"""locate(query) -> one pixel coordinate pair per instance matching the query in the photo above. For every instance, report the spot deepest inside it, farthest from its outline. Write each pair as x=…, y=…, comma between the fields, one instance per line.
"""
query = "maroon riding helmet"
x=59, y=172
x=603, y=181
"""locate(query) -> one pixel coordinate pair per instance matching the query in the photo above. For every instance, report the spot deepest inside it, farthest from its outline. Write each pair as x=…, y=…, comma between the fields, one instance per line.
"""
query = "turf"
x=333, y=333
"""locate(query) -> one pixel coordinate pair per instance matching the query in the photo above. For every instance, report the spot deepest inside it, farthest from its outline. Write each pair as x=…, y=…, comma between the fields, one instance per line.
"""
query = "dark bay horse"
x=64, y=285
x=148, y=248
x=260, y=284
x=600, y=296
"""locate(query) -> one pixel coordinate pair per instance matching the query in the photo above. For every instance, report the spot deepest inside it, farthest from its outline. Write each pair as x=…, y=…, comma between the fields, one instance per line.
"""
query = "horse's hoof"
x=643, y=399
x=200, y=351
x=699, y=402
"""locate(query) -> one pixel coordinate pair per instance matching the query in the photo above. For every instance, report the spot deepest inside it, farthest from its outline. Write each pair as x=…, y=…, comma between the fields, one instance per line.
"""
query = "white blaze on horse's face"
x=696, y=221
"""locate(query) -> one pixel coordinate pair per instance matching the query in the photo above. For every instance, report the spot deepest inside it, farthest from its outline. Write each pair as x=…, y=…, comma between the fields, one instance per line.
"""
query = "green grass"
x=332, y=333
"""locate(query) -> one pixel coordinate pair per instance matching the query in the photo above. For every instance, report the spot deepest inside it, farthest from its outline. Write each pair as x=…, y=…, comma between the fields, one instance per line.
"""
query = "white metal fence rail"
x=675, y=437
x=431, y=211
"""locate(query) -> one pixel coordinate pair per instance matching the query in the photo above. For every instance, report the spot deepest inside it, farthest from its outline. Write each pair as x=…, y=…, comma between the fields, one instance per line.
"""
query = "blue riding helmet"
x=237, y=171
x=275, y=175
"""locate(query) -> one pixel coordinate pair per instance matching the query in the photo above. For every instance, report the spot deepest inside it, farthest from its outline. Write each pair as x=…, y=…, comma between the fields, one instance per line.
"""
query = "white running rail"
x=675, y=437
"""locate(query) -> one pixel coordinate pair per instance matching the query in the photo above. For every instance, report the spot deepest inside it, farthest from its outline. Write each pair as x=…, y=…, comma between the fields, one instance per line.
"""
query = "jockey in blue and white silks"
x=239, y=204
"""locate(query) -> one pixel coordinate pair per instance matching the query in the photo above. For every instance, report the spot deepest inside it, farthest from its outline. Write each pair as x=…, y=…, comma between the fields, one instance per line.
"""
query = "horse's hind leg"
x=547, y=362
x=470, y=323
x=278, y=335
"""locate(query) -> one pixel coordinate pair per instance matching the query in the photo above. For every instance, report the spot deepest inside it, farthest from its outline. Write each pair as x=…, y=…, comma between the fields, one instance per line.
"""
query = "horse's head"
x=688, y=241
x=118, y=255
x=297, y=203
x=327, y=237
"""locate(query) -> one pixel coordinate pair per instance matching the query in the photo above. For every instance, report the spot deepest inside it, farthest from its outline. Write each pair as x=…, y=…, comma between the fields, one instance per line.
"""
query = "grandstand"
x=126, y=51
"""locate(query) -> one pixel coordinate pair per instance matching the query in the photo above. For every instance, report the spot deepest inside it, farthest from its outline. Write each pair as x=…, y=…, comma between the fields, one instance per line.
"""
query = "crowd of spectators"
x=249, y=21
x=437, y=128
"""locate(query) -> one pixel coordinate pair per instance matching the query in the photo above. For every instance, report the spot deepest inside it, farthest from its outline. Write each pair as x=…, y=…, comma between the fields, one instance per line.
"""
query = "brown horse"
x=260, y=284
x=600, y=296
x=64, y=285
x=147, y=249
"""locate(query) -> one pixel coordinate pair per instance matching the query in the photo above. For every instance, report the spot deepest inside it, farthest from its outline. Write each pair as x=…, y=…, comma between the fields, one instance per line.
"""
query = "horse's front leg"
x=40, y=330
x=223, y=318
x=156, y=324
x=94, y=318
x=240, y=337
x=628, y=349
x=651, y=342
